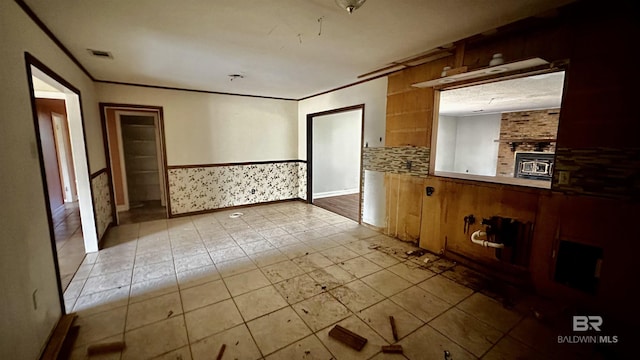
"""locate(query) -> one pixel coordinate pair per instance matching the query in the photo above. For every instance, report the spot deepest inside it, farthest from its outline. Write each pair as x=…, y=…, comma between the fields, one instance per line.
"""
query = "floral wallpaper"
x=302, y=180
x=213, y=187
x=102, y=202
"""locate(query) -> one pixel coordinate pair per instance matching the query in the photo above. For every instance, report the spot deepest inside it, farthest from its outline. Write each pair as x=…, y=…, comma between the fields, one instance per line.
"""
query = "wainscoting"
x=198, y=188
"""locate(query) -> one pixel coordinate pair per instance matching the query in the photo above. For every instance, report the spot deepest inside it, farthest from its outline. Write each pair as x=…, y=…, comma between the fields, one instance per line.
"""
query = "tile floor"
x=272, y=283
x=69, y=241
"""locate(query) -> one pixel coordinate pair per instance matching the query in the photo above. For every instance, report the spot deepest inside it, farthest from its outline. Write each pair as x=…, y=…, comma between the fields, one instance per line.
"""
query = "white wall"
x=203, y=128
x=26, y=258
x=446, y=143
x=476, y=151
x=374, y=95
x=336, y=154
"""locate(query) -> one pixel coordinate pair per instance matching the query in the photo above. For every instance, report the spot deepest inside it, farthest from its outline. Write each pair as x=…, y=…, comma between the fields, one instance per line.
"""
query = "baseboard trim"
x=209, y=211
x=336, y=193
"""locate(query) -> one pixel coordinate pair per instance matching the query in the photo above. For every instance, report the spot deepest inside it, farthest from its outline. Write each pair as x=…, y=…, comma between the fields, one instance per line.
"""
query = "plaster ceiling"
x=528, y=93
x=279, y=46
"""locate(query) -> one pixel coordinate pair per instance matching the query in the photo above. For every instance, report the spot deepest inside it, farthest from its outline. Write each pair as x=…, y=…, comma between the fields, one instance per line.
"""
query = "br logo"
x=586, y=323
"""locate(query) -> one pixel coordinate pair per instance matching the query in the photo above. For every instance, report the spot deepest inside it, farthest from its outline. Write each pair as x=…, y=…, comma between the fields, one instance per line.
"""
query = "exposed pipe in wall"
x=475, y=239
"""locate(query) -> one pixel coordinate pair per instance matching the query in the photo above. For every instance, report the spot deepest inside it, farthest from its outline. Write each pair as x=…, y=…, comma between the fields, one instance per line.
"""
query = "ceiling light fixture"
x=350, y=5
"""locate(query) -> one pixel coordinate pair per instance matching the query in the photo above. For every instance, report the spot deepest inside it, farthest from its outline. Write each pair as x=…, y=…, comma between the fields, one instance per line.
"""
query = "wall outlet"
x=564, y=177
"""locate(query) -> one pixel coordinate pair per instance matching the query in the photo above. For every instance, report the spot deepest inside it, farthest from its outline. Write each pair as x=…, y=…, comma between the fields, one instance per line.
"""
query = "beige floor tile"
x=238, y=345
x=147, y=258
x=291, y=329
x=282, y=241
x=102, y=301
x=467, y=277
x=386, y=282
x=361, y=247
x=155, y=339
x=212, y=319
x=508, y=348
x=201, y=275
x=339, y=254
x=359, y=267
x=190, y=249
x=544, y=339
x=381, y=259
x=282, y=271
x=106, y=282
x=152, y=310
x=182, y=353
x=411, y=272
x=99, y=326
x=331, y=277
x=103, y=268
x=357, y=295
x=312, y=262
x=298, y=288
x=426, y=343
x=344, y=352
x=235, y=267
x=420, y=303
x=490, y=311
x=219, y=243
x=187, y=263
x=227, y=254
x=321, y=311
x=389, y=356
x=245, y=282
x=322, y=243
x=448, y=290
x=259, y=302
x=80, y=352
x=470, y=333
x=296, y=250
x=155, y=271
x=377, y=316
x=256, y=247
x=152, y=288
x=309, y=348
x=267, y=258
x=203, y=295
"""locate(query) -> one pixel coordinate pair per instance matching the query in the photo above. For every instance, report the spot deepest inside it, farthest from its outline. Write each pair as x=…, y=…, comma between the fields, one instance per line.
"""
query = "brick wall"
x=520, y=125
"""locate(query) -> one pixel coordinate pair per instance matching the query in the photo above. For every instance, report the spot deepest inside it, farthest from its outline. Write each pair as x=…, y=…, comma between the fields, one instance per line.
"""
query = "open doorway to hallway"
x=65, y=172
x=137, y=157
x=334, y=155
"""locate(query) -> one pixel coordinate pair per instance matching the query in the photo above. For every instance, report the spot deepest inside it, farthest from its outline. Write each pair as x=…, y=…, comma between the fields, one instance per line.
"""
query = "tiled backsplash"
x=603, y=172
x=412, y=160
x=102, y=202
x=204, y=188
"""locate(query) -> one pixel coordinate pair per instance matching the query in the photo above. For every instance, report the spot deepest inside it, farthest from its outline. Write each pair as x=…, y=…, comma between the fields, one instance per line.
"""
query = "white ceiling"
x=527, y=93
x=196, y=44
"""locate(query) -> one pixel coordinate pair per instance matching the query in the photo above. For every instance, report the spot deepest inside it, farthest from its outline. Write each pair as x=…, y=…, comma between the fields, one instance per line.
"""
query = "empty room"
x=319, y=179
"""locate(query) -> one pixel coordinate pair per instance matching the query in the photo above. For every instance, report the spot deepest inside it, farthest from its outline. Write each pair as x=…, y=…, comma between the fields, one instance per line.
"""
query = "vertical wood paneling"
x=403, y=211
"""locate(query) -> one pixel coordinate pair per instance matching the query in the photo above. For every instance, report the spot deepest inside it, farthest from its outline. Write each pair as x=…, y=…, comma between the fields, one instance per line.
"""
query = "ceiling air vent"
x=100, y=53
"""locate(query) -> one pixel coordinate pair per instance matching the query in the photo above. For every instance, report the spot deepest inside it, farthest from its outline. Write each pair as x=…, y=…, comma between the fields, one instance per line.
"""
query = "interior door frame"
x=136, y=109
x=31, y=62
x=65, y=157
x=310, y=151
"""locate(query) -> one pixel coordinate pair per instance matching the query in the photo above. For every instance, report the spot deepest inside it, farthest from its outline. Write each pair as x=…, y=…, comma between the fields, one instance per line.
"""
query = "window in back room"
x=504, y=131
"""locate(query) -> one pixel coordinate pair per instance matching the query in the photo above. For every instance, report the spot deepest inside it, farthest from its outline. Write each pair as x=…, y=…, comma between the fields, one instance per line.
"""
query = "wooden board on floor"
x=56, y=342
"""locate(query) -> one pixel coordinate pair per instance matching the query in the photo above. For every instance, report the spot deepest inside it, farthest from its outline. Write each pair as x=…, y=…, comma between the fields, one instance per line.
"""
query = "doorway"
x=137, y=158
x=334, y=160
x=61, y=148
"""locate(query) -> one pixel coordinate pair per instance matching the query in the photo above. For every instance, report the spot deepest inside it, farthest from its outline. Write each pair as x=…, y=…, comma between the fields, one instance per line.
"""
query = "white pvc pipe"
x=485, y=243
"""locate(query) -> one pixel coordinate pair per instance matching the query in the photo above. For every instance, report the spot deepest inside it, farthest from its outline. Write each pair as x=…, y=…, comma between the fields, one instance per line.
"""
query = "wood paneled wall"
x=598, y=111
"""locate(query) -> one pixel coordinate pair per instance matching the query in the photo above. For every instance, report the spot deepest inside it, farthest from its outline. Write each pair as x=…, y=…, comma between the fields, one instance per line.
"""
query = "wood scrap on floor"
x=392, y=349
x=221, y=352
x=105, y=348
x=394, y=330
x=348, y=337
x=59, y=336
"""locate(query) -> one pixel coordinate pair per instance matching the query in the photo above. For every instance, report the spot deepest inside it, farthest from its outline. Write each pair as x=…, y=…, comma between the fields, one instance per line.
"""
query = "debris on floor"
x=348, y=337
x=236, y=215
x=418, y=252
x=394, y=330
x=392, y=349
x=221, y=352
x=105, y=348
x=447, y=355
